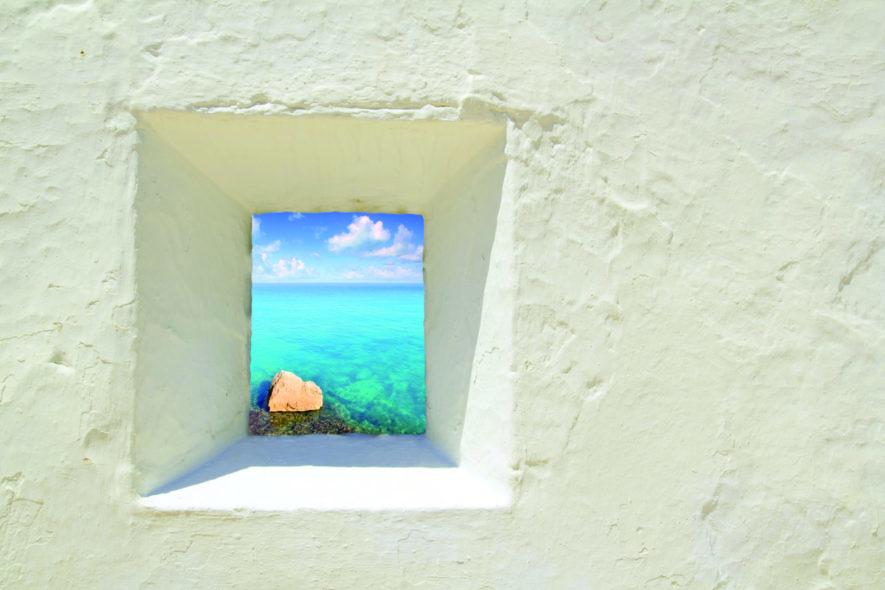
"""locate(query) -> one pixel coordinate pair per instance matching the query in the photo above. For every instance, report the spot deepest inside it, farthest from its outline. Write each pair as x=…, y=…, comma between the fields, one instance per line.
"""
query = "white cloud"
x=360, y=231
x=394, y=272
x=294, y=216
x=400, y=243
x=266, y=250
x=288, y=268
x=415, y=255
x=317, y=254
x=400, y=273
x=387, y=272
x=256, y=227
x=272, y=247
x=402, y=246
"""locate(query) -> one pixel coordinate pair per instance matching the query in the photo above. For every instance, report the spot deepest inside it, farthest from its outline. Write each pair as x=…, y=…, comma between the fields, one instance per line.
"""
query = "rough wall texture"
x=698, y=337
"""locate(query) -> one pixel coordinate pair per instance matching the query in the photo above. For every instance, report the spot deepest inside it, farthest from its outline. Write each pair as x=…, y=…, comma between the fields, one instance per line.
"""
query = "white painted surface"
x=194, y=198
x=359, y=472
x=692, y=209
x=193, y=285
x=402, y=489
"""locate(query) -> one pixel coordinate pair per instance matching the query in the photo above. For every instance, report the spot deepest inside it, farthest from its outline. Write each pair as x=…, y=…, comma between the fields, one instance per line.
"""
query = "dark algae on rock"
x=323, y=421
x=335, y=417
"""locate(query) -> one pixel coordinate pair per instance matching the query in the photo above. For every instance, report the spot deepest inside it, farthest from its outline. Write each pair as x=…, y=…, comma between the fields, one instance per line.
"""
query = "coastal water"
x=362, y=344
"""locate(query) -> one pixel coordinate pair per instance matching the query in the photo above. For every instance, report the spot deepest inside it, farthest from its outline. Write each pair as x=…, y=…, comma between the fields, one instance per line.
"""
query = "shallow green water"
x=362, y=344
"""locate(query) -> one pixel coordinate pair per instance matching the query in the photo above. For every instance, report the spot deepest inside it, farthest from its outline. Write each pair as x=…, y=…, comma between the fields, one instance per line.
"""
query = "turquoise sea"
x=362, y=344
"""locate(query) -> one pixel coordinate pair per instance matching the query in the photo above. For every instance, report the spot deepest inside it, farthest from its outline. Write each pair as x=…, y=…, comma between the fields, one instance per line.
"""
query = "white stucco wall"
x=693, y=204
x=200, y=177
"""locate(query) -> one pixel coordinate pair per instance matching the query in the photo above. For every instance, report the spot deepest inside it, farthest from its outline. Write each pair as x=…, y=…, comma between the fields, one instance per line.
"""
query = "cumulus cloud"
x=394, y=272
x=266, y=250
x=402, y=246
x=256, y=227
x=289, y=267
x=360, y=231
x=416, y=254
x=294, y=216
x=387, y=272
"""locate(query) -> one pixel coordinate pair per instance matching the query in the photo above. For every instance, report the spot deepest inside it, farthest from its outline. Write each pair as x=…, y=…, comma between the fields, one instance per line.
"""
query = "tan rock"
x=288, y=393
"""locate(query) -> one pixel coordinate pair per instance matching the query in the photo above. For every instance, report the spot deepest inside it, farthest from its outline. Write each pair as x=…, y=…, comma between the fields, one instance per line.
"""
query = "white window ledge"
x=324, y=472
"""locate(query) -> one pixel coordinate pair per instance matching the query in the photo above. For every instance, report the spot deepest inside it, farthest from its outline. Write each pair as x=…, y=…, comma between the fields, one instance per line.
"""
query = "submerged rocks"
x=288, y=393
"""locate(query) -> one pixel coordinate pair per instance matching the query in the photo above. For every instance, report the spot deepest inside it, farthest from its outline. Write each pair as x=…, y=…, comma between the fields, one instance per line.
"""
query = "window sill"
x=324, y=472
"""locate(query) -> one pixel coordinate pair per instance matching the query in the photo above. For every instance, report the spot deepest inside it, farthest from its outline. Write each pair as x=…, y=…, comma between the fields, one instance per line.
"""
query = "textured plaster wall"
x=200, y=177
x=193, y=282
x=695, y=199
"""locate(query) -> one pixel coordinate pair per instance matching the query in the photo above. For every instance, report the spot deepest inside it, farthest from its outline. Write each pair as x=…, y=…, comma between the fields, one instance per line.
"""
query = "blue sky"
x=337, y=248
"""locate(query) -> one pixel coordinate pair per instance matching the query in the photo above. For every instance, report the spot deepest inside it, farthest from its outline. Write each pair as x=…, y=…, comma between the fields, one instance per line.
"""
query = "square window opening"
x=200, y=179
x=337, y=324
